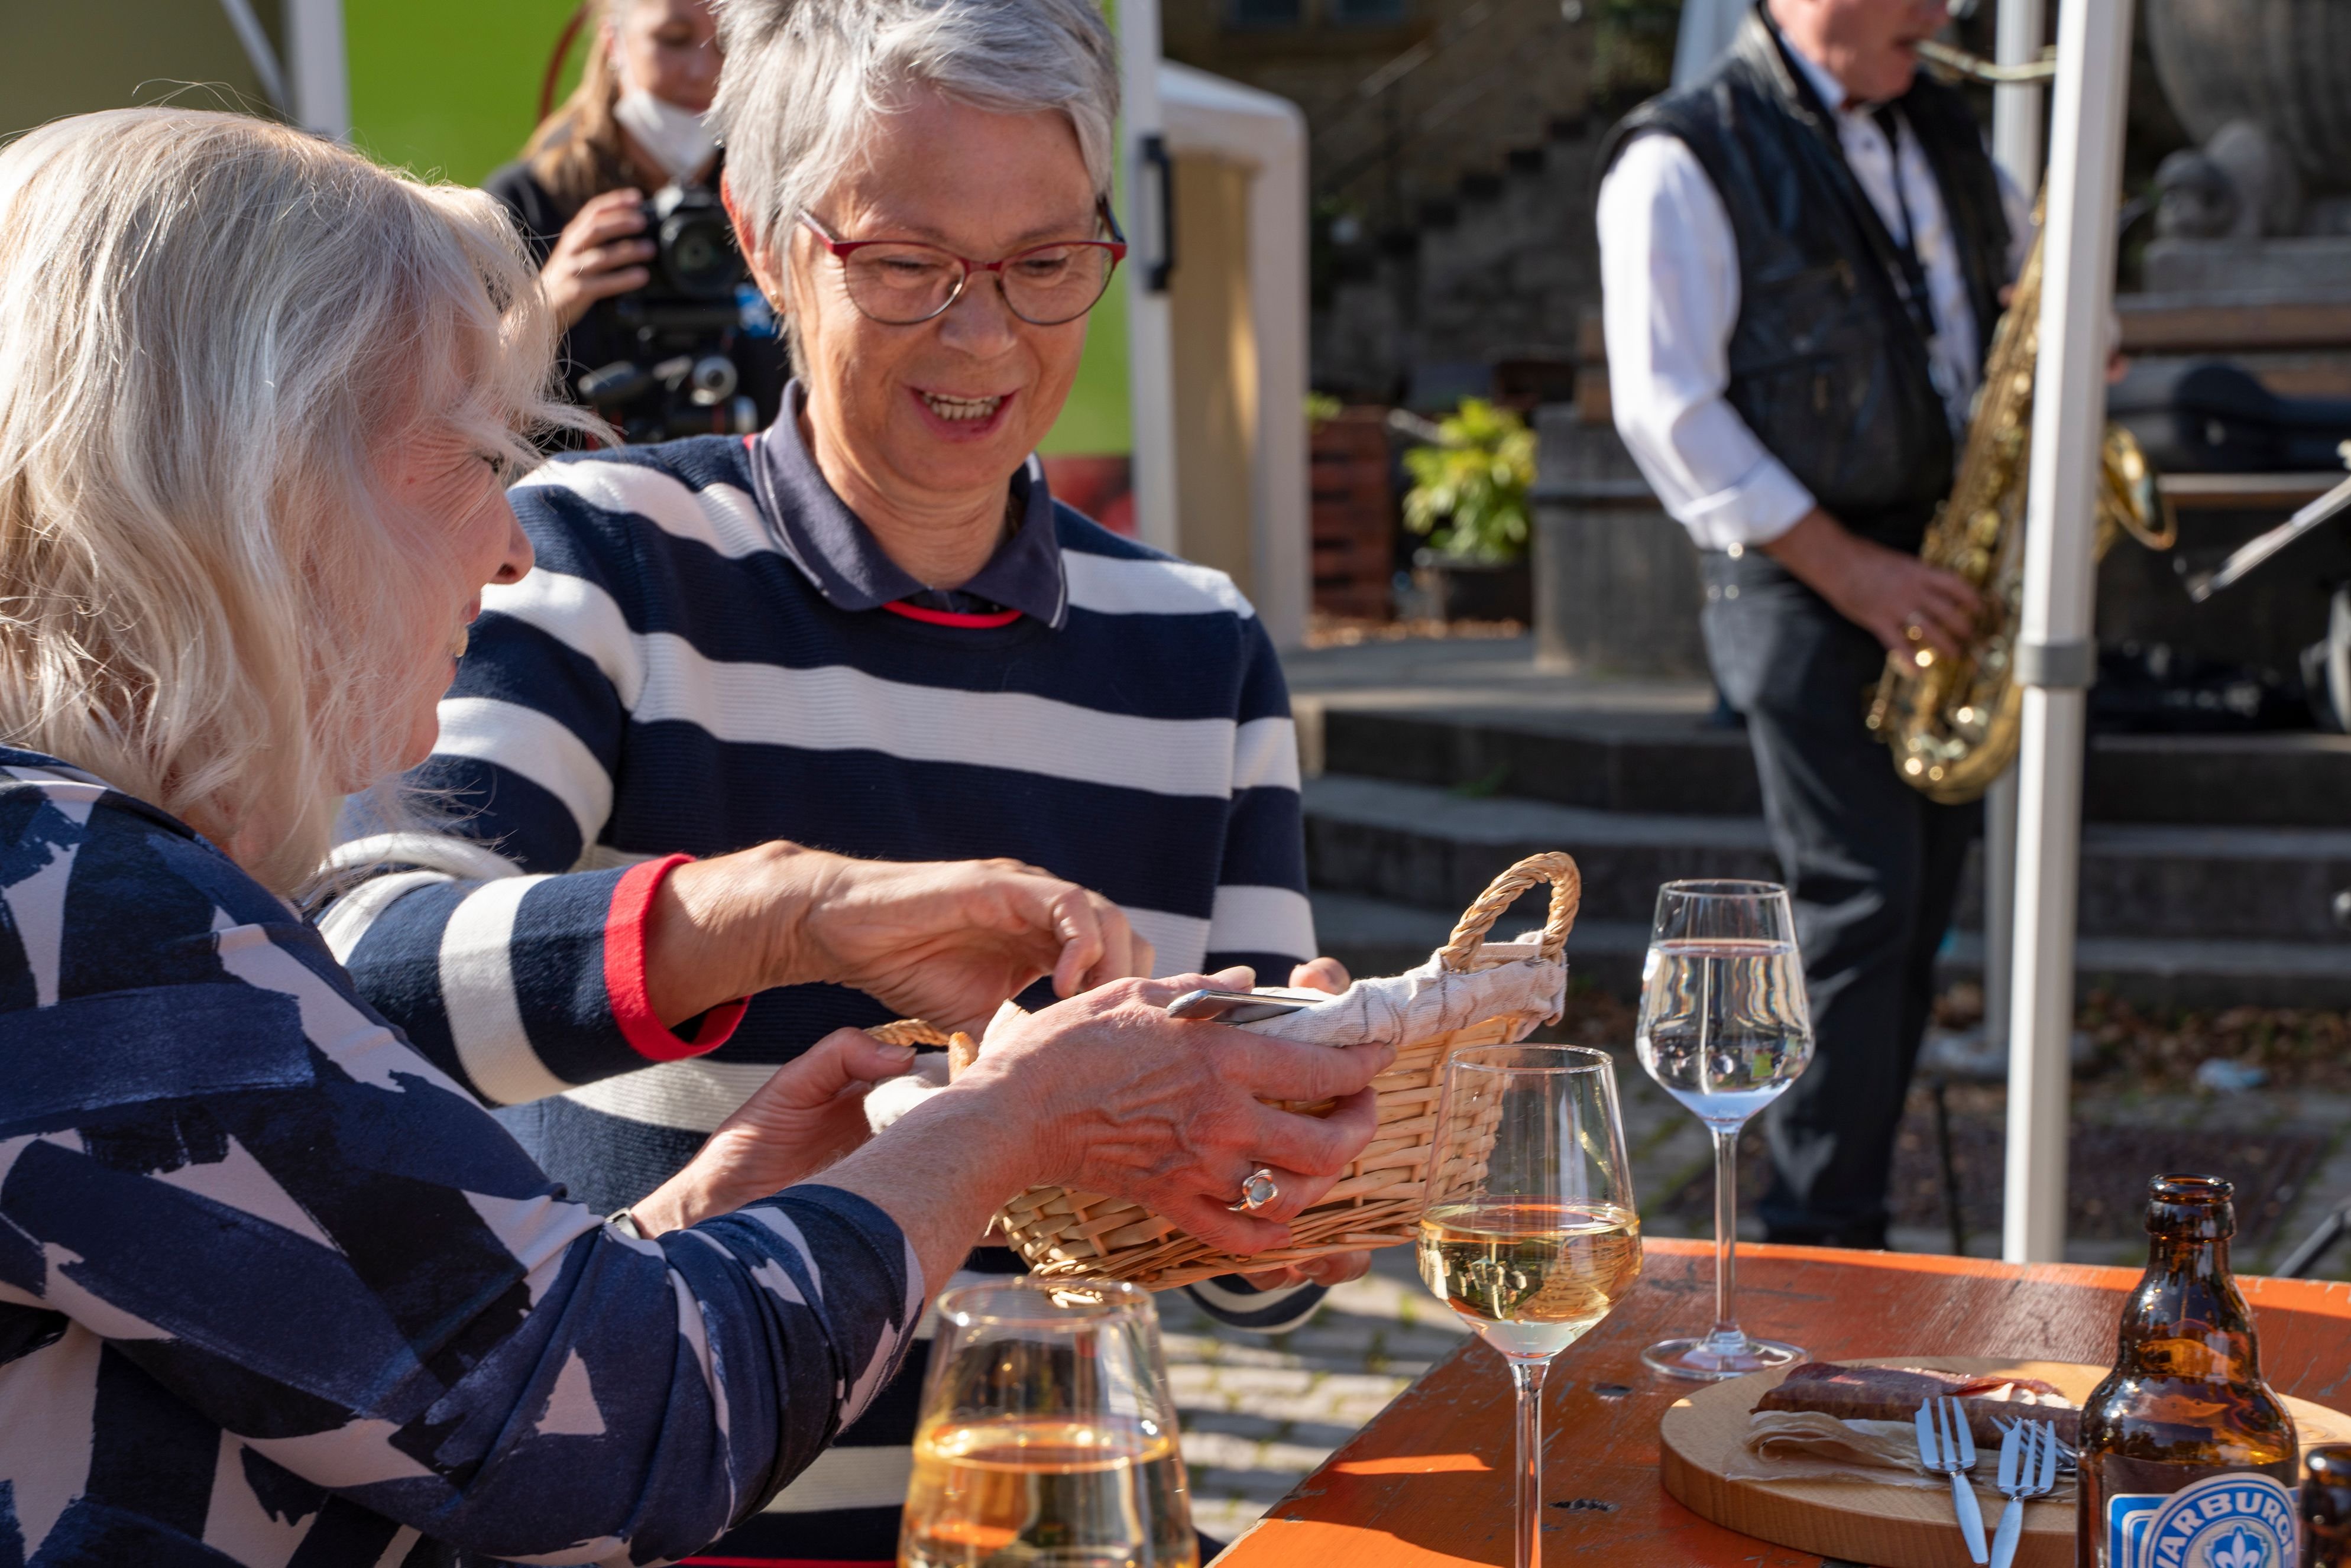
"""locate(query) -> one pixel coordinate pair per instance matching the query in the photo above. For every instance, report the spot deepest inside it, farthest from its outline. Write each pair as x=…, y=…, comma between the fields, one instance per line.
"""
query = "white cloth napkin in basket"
x=1514, y=982
x=1519, y=985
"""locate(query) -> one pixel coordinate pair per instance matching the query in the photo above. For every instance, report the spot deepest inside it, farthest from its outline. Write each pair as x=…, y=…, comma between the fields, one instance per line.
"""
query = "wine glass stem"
x=1526, y=1377
x=1726, y=1231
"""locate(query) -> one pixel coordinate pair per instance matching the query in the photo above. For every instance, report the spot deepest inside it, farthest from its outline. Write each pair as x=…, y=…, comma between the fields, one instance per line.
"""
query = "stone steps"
x=1672, y=763
x=1380, y=936
x=1418, y=845
x=2187, y=915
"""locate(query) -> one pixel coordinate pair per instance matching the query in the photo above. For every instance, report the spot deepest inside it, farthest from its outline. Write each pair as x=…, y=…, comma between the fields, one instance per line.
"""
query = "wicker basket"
x=1377, y=1199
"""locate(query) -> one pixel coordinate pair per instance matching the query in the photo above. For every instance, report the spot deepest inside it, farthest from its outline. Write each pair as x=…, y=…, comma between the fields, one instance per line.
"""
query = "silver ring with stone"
x=1256, y=1192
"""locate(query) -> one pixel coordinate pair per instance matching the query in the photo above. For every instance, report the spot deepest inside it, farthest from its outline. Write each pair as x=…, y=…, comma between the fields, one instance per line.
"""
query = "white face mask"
x=676, y=137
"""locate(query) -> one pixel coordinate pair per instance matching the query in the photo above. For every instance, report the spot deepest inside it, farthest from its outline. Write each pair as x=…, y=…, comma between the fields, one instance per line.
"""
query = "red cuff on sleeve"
x=625, y=972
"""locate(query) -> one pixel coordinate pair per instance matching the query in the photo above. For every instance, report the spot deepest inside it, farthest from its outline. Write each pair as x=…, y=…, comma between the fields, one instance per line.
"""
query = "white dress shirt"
x=1669, y=299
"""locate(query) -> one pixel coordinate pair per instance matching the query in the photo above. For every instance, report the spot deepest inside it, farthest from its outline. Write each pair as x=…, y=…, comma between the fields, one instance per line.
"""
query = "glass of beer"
x=1530, y=1231
x=1047, y=1436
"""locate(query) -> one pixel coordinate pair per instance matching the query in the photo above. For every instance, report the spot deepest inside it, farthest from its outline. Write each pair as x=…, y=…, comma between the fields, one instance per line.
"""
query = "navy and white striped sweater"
x=275, y=1291
x=668, y=679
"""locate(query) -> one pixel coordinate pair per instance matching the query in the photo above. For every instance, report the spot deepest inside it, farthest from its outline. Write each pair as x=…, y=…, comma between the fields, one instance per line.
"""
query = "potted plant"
x=1468, y=496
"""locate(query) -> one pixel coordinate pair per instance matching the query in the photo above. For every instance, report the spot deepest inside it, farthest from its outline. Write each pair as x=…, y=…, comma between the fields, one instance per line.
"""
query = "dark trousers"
x=1873, y=867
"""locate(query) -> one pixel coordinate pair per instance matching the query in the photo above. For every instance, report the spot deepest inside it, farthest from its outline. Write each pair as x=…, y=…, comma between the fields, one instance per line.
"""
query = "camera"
x=679, y=376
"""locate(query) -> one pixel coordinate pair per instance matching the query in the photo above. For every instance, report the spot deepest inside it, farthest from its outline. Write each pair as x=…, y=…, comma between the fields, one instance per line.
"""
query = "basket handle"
x=962, y=1051
x=1557, y=868
x=909, y=1032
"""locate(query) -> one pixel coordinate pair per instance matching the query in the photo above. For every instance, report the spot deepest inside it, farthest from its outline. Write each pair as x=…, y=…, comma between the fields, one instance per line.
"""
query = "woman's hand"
x=1107, y=1093
x=808, y=1115
x=1324, y=974
x=949, y=941
x=597, y=255
x=1321, y=975
x=1122, y=1099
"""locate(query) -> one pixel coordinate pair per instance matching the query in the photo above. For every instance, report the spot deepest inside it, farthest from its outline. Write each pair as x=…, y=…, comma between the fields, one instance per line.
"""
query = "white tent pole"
x=2016, y=106
x=317, y=67
x=2016, y=148
x=1265, y=135
x=1150, y=340
x=2055, y=656
x=2000, y=912
x=1282, y=550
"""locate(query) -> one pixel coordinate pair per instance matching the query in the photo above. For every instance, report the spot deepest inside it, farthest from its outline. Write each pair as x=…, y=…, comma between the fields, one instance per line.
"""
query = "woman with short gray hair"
x=871, y=627
x=273, y=1287
x=809, y=82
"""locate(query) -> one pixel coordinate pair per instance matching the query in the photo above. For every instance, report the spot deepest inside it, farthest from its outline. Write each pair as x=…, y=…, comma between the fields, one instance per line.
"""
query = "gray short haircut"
x=806, y=79
x=211, y=330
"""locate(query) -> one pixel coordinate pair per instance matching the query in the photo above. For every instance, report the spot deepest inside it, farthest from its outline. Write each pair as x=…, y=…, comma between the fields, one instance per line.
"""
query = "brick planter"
x=1354, y=516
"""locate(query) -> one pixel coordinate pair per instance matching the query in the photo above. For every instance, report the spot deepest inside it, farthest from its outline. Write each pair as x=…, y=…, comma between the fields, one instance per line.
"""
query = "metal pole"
x=2000, y=911
x=318, y=74
x=2055, y=657
x=2016, y=148
x=1150, y=336
x=2016, y=106
x=1282, y=560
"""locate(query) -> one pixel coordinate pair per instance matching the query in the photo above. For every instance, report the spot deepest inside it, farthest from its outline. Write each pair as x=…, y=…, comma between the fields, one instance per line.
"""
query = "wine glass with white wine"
x=1530, y=1231
x=1046, y=1437
x=1725, y=1028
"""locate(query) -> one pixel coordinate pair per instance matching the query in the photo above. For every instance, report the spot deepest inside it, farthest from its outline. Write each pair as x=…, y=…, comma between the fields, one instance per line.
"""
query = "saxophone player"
x=1802, y=256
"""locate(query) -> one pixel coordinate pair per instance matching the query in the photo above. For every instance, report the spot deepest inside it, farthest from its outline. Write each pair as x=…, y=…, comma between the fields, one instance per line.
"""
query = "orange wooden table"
x=1428, y=1482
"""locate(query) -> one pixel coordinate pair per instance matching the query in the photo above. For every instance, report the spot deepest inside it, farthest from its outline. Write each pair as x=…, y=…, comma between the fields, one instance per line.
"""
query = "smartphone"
x=1232, y=1006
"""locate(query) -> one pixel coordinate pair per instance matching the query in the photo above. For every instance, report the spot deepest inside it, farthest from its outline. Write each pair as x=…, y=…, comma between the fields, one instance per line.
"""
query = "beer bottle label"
x=2238, y=1520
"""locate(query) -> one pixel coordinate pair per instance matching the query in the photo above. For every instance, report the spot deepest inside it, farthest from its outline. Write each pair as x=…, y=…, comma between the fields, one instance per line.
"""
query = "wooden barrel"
x=2282, y=63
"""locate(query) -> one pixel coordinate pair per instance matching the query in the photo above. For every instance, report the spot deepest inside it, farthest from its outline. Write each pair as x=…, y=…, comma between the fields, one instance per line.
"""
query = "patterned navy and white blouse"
x=714, y=652
x=275, y=1290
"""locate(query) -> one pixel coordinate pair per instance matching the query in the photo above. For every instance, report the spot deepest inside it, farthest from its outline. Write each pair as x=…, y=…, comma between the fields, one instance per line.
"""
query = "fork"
x=2028, y=1469
x=1947, y=1447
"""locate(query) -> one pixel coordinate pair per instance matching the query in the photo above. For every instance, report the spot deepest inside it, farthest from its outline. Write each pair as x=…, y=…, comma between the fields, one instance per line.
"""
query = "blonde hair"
x=212, y=329
x=575, y=151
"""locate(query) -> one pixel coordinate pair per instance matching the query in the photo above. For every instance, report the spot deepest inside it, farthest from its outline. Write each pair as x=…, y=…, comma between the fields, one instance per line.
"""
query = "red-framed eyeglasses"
x=903, y=283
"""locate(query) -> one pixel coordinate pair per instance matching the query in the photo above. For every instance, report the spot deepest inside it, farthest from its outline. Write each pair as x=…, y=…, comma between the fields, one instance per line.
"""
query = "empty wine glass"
x=1725, y=1028
x=1048, y=1435
x=1530, y=1231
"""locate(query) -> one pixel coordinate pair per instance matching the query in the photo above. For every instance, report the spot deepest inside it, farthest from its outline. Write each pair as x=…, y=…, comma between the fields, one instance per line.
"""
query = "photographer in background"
x=633, y=127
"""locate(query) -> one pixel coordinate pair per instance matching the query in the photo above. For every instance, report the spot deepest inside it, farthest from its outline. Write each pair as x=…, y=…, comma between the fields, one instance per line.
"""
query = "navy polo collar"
x=838, y=556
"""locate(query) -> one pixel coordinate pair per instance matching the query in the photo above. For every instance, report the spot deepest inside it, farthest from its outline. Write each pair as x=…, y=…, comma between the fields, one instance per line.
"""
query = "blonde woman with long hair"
x=273, y=1287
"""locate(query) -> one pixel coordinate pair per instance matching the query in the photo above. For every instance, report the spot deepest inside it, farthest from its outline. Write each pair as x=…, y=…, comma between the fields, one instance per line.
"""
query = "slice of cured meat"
x=1894, y=1394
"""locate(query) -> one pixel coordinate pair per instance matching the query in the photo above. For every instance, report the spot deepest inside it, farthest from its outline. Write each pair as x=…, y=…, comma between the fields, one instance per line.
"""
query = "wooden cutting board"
x=1889, y=1527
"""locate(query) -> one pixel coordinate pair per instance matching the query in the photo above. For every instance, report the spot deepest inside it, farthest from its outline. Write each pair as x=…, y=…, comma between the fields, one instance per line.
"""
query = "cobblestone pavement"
x=1259, y=1412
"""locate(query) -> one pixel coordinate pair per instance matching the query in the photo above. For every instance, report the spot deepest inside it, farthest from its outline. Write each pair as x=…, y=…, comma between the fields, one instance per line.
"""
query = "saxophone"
x=1953, y=723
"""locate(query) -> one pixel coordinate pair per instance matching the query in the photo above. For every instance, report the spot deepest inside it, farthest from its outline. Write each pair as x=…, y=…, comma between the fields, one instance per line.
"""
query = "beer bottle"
x=2326, y=1507
x=2187, y=1459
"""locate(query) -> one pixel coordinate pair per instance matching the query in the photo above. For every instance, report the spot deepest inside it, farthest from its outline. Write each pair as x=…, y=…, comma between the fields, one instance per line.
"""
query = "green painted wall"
x=450, y=88
x=1096, y=421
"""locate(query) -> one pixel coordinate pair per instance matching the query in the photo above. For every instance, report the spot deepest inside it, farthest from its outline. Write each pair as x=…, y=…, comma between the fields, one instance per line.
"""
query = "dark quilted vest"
x=1827, y=367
